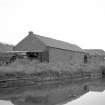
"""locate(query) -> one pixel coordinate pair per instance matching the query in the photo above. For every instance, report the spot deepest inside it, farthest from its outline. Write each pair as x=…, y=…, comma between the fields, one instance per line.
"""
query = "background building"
x=95, y=55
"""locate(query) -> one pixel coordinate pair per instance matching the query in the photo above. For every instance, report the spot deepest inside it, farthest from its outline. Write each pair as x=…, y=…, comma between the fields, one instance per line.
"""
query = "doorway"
x=85, y=59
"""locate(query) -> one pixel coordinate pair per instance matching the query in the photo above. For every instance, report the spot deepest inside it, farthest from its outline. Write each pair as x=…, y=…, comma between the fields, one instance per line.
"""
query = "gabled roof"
x=95, y=52
x=57, y=43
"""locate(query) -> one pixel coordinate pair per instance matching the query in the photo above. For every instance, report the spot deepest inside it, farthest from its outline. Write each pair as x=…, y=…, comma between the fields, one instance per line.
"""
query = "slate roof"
x=95, y=52
x=57, y=43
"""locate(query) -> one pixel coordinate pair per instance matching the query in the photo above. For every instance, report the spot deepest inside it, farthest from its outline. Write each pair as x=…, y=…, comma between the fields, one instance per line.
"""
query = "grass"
x=44, y=70
x=34, y=67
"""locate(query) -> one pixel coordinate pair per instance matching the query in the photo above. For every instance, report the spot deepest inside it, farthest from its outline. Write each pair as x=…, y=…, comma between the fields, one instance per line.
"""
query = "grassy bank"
x=51, y=70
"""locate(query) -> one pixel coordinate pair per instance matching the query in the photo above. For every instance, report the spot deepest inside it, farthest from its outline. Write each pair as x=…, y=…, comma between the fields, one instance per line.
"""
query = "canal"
x=90, y=92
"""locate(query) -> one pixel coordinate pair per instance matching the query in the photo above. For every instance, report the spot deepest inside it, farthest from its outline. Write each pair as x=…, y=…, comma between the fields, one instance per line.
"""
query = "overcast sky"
x=81, y=22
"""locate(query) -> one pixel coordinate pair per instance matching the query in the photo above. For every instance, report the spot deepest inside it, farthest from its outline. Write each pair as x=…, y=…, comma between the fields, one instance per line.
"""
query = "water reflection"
x=51, y=93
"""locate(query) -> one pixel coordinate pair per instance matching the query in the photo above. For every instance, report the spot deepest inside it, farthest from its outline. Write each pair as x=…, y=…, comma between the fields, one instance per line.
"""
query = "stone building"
x=95, y=55
x=5, y=57
x=50, y=50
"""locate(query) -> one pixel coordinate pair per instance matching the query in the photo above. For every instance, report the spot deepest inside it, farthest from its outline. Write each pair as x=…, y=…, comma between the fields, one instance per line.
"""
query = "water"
x=91, y=98
x=59, y=93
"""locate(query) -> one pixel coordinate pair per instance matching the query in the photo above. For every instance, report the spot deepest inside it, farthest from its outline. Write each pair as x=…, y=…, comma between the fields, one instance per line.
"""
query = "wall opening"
x=103, y=74
x=32, y=55
x=41, y=56
x=85, y=59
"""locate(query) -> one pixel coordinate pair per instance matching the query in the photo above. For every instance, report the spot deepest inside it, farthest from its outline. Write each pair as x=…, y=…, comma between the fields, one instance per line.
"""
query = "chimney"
x=30, y=32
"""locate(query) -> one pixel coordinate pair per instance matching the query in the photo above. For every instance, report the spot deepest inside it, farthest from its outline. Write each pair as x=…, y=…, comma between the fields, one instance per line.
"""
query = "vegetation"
x=44, y=70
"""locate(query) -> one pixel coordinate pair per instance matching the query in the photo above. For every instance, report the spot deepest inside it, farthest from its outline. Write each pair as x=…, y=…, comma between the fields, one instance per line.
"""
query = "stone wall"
x=70, y=57
x=96, y=59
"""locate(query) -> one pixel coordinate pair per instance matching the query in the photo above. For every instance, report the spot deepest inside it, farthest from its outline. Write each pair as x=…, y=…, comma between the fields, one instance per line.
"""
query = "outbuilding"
x=95, y=55
x=51, y=50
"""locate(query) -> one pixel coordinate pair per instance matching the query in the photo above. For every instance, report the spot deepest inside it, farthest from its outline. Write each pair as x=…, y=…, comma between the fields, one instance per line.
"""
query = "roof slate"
x=57, y=43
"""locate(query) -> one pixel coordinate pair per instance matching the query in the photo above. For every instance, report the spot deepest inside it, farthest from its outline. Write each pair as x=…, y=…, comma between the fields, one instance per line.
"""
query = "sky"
x=80, y=22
